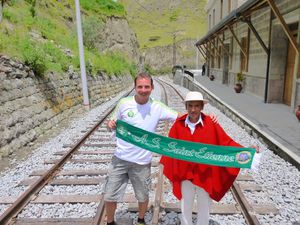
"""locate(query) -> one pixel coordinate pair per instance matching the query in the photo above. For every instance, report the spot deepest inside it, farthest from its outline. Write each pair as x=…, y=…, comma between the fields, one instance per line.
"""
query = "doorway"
x=289, y=72
x=225, y=64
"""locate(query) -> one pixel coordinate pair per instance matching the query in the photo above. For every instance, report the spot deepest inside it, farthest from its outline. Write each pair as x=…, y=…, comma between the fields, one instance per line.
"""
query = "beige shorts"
x=120, y=172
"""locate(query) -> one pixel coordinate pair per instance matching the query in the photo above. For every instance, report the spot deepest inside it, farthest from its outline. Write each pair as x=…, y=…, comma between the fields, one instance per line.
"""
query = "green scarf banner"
x=184, y=150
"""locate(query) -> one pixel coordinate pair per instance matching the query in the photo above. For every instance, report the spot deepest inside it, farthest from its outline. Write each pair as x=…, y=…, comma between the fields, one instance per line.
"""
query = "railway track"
x=59, y=175
x=85, y=164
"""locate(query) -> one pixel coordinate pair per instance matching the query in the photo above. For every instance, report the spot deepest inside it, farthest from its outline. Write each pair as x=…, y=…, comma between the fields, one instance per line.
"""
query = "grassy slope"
x=54, y=29
x=49, y=23
x=155, y=21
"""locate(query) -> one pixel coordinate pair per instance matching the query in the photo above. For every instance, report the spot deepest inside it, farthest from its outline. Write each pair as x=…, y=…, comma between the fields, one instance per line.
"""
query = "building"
x=258, y=40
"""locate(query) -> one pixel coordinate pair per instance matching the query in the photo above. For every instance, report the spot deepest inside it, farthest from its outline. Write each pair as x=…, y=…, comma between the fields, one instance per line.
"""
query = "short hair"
x=145, y=76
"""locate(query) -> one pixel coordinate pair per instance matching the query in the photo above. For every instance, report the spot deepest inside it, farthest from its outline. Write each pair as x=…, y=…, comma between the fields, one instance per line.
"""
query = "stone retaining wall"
x=32, y=105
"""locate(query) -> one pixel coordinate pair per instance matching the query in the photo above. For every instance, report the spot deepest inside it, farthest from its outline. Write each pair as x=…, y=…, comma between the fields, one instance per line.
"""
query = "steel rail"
x=179, y=94
x=30, y=193
x=160, y=176
x=100, y=212
x=246, y=208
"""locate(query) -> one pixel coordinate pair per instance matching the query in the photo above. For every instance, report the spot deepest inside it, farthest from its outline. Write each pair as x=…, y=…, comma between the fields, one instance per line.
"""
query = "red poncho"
x=215, y=180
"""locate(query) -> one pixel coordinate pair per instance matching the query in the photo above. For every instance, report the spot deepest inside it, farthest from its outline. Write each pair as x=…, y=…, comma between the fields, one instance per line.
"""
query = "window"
x=229, y=6
x=221, y=13
x=219, y=57
x=214, y=17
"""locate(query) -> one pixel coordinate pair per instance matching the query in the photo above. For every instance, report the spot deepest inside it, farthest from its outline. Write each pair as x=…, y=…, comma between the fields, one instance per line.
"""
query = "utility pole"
x=174, y=34
x=81, y=57
x=174, y=49
x=197, y=56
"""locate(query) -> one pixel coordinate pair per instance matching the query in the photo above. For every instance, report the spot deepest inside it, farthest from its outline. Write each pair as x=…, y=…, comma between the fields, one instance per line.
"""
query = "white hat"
x=195, y=96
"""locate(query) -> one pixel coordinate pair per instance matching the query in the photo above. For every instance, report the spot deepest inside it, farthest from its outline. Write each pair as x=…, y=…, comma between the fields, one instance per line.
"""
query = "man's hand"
x=214, y=118
x=179, y=114
x=111, y=124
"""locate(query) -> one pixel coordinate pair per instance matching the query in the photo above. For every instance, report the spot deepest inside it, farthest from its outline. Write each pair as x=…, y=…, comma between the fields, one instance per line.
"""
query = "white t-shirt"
x=144, y=116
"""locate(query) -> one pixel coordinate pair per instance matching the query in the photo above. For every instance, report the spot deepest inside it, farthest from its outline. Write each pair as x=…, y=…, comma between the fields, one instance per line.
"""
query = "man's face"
x=194, y=109
x=143, y=90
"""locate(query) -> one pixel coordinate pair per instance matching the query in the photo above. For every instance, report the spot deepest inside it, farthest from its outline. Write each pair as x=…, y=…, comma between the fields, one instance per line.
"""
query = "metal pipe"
x=268, y=61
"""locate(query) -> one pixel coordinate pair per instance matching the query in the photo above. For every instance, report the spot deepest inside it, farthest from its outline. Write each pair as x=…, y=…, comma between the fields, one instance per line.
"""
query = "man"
x=203, y=69
x=188, y=178
x=129, y=161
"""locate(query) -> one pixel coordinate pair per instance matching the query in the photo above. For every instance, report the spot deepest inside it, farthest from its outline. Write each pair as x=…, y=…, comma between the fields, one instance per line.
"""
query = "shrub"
x=149, y=69
x=133, y=70
x=9, y=16
x=111, y=63
x=240, y=77
x=165, y=70
x=41, y=57
x=106, y=7
x=55, y=57
x=92, y=29
x=32, y=8
x=34, y=58
x=47, y=28
x=174, y=16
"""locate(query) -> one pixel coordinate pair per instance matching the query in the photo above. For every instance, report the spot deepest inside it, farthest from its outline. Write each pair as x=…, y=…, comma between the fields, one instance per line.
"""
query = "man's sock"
x=111, y=223
x=141, y=220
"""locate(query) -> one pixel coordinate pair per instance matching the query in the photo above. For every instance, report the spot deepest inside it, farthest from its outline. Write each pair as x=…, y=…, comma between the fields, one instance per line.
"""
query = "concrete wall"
x=31, y=106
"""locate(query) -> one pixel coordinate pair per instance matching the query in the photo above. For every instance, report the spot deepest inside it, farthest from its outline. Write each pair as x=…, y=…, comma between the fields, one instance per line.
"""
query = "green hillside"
x=42, y=34
x=156, y=21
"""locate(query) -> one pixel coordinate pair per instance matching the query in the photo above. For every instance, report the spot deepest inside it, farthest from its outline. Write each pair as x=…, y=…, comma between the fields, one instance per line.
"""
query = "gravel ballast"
x=279, y=179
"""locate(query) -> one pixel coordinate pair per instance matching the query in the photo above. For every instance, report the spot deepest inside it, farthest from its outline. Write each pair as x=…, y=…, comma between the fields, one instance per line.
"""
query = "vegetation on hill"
x=158, y=22
x=42, y=34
